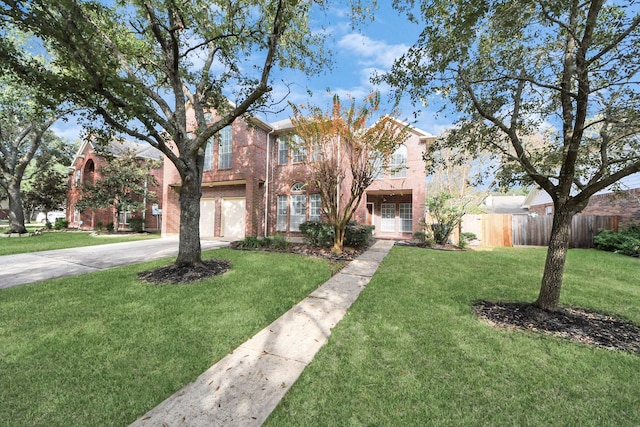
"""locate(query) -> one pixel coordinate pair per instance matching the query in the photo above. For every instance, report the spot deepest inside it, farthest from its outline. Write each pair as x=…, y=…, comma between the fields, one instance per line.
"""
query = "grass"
x=62, y=240
x=410, y=351
x=101, y=349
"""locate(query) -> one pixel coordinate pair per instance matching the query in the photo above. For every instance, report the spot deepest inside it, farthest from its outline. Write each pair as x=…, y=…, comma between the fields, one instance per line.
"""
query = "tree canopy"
x=550, y=87
x=24, y=135
x=138, y=66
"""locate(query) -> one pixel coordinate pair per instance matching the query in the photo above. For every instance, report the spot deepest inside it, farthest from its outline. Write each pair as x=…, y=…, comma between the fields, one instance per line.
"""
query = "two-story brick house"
x=255, y=184
x=85, y=168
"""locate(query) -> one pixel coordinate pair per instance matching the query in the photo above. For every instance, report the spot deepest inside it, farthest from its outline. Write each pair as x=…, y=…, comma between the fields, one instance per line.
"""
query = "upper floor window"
x=208, y=118
x=398, y=163
x=298, y=152
x=316, y=153
x=224, y=151
x=78, y=177
x=283, y=151
x=377, y=167
x=208, y=155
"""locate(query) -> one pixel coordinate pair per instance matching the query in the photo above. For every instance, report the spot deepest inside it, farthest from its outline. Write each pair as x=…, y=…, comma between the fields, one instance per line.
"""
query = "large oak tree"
x=550, y=87
x=138, y=65
x=24, y=135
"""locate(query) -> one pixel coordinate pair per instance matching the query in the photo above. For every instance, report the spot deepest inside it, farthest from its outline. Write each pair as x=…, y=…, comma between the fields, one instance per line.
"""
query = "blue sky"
x=358, y=53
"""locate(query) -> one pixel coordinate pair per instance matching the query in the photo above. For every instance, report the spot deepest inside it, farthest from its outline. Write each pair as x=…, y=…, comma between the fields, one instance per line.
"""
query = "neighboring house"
x=254, y=184
x=624, y=203
x=85, y=168
x=504, y=205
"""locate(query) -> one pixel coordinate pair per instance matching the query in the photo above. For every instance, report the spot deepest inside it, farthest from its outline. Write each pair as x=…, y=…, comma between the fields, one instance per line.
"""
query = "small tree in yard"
x=122, y=186
x=342, y=148
x=565, y=70
x=449, y=189
x=444, y=214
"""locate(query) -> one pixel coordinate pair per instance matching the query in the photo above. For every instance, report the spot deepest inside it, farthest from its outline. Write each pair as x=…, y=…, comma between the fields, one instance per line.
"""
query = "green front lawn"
x=411, y=353
x=101, y=349
x=62, y=240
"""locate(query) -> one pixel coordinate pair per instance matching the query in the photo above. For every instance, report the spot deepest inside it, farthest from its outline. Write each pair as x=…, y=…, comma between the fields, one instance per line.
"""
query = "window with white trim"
x=299, y=153
x=298, y=212
x=315, y=207
x=388, y=217
x=283, y=151
x=316, y=153
x=398, y=163
x=78, y=177
x=124, y=217
x=377, y=167
x=224, y=150
x=208, y=155
x=281, y=220
x=406, y=217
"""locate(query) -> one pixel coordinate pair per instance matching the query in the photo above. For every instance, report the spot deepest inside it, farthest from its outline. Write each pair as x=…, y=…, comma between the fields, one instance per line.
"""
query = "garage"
x=207, y=218
x=233, y=218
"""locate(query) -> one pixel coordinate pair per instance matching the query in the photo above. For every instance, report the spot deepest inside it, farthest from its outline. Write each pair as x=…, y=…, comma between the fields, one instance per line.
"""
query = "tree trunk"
x=189, y=250
x=16, y=211
x=338, y=239
x=549, y=296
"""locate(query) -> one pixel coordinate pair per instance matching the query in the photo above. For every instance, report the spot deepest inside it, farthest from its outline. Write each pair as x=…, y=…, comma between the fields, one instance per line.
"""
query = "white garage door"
x=207, y=218
x=233, y=213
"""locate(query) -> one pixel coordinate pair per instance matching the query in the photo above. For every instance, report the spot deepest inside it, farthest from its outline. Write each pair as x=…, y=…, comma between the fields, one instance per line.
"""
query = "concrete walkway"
x=244, y=387
x=32, y=267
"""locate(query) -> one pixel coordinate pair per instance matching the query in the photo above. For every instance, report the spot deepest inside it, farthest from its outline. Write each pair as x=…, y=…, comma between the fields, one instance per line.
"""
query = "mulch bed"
x=576, y=324
x=348, y=254
x=173, y=274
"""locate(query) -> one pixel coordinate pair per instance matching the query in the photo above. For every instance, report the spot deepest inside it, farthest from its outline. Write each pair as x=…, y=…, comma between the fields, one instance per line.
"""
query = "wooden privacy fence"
x=526, y=230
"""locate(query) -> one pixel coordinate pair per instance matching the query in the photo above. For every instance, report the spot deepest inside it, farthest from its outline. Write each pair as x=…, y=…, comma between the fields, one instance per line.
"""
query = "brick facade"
x=86, y=168
x=260, y=179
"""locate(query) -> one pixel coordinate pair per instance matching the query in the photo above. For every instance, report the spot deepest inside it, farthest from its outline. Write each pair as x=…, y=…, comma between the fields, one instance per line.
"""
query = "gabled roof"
x=537, y=196
x=118, y=146
x=504, y=204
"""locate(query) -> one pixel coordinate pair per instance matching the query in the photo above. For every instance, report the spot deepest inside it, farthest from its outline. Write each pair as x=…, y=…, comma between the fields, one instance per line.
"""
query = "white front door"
x=207, y=218
x=233, y=222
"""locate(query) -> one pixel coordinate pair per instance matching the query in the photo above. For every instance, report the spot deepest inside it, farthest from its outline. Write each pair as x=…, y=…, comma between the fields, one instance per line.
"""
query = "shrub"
x=358, y=235
x=250, y=242
x=423, y=238
x=61, y=223
x=279, y=242
x=266, y=242
x=317, y=233
x=109, y=227
x=625, y=242
x=465, y=238
x=99, y=225
x=136, y=224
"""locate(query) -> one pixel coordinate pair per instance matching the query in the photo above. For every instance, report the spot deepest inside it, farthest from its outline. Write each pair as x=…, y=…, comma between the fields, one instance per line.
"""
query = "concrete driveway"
x=36, y=266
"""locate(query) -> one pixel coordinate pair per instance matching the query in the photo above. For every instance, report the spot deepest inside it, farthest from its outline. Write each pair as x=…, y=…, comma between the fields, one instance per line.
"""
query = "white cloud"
x=371, y=52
